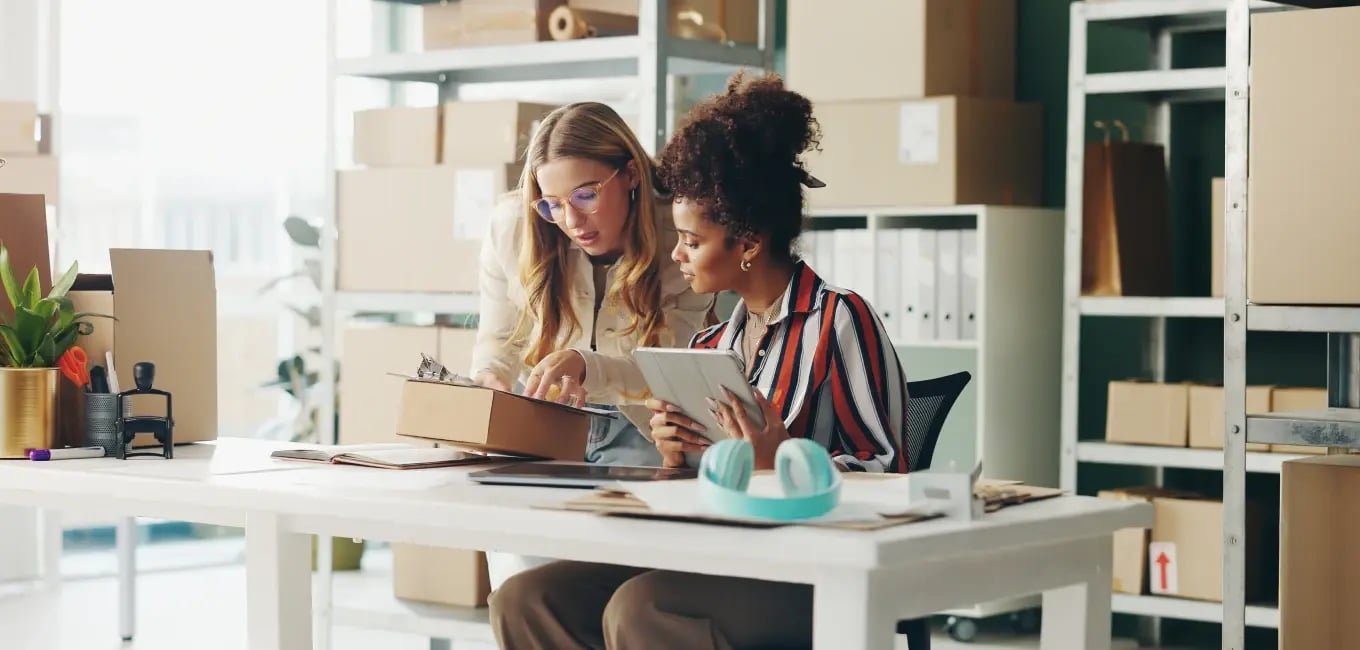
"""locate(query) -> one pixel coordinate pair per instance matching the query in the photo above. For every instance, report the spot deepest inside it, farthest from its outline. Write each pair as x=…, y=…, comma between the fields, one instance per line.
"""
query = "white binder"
x=825, y=265
x=947, y=302
x=968, y=285
x=887, y=298
x=918, y=285
x=854, y=261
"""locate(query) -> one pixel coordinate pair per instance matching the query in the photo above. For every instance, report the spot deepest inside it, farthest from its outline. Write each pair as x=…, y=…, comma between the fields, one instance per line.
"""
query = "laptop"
x=576, y=475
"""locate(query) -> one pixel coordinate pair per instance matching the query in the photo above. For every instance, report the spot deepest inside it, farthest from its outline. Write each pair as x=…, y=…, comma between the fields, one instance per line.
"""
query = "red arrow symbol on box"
x=1162, y=561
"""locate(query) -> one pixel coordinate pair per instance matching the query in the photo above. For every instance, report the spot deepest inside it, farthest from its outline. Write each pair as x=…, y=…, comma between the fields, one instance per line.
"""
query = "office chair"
x=928, y=405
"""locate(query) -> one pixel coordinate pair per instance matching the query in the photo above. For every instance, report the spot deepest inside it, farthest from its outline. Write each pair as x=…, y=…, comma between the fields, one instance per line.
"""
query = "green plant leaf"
x=7, y=278
x=16, y=352
x=30, y=327
x=63, y=285
x=47, y=354
x=32, y=289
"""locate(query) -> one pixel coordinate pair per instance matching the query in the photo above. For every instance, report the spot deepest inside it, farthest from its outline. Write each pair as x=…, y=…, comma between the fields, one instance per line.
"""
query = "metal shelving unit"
x=1338, y=427
x=1161, y=86
x=653, y=58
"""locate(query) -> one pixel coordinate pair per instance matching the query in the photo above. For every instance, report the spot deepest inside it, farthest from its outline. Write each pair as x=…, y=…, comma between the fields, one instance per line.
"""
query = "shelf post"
x=1235, y=438
x=1071, y=326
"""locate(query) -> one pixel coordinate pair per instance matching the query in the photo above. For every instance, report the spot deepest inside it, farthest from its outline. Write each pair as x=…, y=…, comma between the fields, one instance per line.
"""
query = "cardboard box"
x=488, y=133
x=1217, y=265
x=165, y=303
x=18, y=128
x=1319, y=523
x=445, y=576
x=23, y=174
x=396, y=137
x=416, y=228
x=1303, y=201
x=1187, y=538
x=1148, y=413
x=469, y=23
x=1206, y=415
x=935, y=47
x=491, y=420
x=23, y=231
x=739, y=19
x=1129, y=566
x=1283, y=400
x=937, y=151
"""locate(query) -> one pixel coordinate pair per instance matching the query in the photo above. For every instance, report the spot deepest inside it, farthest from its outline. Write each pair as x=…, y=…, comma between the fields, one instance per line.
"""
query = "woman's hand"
x=490, y=380
x=764, y=440
x=673, y=433
x=566, y=370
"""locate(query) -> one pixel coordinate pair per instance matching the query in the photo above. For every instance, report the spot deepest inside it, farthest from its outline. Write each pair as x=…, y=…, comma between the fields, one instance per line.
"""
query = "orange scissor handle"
x=73, y=365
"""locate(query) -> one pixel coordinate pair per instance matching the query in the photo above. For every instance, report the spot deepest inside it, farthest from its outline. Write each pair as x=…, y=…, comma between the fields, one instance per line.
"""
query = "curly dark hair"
x=737, y=155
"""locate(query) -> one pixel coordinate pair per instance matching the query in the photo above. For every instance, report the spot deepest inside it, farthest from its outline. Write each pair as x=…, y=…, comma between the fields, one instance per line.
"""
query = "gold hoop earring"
x=746, y=265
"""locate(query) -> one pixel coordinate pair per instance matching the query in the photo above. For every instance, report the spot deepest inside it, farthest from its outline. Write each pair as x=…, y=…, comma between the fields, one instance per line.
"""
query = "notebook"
x=385, y=456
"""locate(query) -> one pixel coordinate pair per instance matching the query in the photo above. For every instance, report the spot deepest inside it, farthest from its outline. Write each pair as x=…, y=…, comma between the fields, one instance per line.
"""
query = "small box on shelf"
x=396, y=137
x=444, y=576
x=1129, y=566
x=1186, y=549
x=18, y=128
x=1148, y=413
x=1319, y=586
x=488, y=132
x=485, y=22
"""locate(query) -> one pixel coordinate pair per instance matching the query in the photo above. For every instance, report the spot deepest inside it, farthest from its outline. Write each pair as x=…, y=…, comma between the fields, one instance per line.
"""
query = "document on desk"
x=862, y=501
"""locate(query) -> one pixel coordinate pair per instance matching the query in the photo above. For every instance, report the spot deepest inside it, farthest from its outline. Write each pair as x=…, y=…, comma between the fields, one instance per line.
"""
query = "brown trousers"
x=580, y=605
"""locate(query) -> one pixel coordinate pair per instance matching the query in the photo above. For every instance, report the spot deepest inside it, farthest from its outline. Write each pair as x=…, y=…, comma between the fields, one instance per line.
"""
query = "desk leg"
x=127, y=577
x=278, y=585
x=847, y=612
x=1078, y=616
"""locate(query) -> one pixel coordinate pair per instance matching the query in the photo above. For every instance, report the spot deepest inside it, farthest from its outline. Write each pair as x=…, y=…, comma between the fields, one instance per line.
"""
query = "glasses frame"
x=595, y=187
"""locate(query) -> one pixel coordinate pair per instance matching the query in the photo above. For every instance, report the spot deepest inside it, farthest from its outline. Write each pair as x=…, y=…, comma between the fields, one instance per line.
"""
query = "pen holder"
x=101, y=421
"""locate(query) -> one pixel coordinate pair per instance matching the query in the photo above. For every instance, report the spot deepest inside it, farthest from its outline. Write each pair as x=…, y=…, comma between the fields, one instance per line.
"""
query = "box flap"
x=23, y=231
x=166, y=305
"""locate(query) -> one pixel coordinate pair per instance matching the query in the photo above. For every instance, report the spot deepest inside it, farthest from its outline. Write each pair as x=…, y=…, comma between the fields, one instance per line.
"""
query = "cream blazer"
x=612, y=376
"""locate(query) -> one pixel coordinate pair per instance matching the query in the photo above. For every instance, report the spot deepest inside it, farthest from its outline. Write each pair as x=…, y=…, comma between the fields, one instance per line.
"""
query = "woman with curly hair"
x=818, y=352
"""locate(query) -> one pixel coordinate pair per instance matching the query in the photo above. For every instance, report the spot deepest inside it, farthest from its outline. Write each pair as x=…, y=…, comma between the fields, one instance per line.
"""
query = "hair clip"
x=811, y=181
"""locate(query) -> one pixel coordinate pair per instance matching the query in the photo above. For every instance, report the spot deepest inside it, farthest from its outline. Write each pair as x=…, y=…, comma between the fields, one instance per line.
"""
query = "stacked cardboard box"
x=1182, y=555
x=429, y=184
x=938, y=125
x=1180, y=415
x=27, y=170
x=1319, y=586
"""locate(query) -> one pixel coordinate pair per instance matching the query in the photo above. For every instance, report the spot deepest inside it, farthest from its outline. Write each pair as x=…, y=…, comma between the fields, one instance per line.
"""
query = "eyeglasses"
x=584, y=199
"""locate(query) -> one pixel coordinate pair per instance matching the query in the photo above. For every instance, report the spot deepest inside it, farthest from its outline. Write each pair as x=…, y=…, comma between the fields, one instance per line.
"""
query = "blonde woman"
x=576, y=273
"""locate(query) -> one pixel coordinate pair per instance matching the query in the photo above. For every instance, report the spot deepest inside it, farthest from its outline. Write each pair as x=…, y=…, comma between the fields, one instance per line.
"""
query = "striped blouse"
x=829, y=368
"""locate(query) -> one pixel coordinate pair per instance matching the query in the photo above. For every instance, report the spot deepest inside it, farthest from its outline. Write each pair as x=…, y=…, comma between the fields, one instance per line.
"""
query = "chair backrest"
x=928, y=405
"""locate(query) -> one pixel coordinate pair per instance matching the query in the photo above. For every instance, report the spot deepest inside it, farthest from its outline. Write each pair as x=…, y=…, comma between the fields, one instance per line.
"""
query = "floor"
x=176, y=604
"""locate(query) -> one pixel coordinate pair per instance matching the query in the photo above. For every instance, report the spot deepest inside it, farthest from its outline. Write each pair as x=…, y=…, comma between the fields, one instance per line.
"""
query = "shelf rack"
x=1338, y=427
x=1162, y=86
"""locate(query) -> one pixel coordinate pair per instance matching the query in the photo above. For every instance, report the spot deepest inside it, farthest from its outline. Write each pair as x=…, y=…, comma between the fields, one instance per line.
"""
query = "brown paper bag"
x=1125, y=247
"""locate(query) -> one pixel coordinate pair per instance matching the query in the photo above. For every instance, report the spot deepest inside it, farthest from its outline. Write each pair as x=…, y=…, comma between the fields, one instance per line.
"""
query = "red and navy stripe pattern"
x=831, y=370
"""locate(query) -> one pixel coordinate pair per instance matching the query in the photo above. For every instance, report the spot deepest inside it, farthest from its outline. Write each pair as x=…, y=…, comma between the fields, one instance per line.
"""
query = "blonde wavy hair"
x=591, y=131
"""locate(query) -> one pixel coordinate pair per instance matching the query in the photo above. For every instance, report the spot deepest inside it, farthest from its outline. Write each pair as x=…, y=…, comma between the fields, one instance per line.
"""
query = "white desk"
x=864, y=582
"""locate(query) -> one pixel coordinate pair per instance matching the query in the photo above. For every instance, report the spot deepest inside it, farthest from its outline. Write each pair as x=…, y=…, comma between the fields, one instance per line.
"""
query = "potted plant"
x=41, y=330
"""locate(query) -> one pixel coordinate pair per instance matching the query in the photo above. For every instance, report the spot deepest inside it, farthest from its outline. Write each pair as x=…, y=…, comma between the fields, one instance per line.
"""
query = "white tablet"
x=687, y=378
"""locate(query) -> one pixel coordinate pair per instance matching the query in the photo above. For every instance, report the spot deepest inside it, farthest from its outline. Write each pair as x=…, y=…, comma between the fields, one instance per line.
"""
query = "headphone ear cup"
x=729, y=464
x=804, y=467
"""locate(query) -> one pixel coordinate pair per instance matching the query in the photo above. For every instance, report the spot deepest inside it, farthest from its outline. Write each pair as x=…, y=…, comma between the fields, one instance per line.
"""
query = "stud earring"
x=746, y=265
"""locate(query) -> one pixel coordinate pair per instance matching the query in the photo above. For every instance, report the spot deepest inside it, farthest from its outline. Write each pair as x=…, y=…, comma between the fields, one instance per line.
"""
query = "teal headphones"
x=811, y=484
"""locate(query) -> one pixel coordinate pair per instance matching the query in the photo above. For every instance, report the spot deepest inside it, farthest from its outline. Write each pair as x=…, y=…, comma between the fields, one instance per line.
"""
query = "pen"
x=65, y=454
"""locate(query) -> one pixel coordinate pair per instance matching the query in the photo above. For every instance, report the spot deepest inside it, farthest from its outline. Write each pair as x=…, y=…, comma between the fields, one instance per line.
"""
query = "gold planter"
x=28, y=410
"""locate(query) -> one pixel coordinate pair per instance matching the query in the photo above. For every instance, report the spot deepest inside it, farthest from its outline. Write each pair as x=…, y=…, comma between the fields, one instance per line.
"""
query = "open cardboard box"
x=165, y=306
x=492, y=420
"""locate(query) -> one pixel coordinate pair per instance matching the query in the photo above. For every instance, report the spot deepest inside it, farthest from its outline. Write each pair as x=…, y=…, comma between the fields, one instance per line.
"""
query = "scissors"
x=73, y=365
